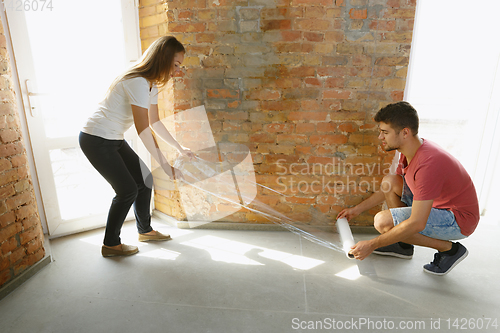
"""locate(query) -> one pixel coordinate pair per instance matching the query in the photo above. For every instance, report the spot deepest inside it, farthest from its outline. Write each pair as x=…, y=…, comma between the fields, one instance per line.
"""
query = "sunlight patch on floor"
x=234, y=252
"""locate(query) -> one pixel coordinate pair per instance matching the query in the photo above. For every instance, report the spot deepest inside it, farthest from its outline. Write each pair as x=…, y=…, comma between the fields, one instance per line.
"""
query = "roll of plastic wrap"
x=345, y=236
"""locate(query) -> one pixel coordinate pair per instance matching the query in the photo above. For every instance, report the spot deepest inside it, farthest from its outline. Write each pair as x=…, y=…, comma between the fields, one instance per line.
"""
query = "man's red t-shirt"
x=433, y=174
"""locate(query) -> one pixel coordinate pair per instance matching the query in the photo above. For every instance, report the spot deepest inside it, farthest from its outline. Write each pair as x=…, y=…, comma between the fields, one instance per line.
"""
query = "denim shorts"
x=441, y=223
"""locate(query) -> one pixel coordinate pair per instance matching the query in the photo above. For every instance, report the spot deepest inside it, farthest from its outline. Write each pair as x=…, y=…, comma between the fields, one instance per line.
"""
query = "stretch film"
x=221, y=182
x=225, y=185
x=345, y=236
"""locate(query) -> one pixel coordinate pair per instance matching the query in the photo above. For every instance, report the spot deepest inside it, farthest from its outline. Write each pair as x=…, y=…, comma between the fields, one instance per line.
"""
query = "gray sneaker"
x=444, y=263
x=395, y=250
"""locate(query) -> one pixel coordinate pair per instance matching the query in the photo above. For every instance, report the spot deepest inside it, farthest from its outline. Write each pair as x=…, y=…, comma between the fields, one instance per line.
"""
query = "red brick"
x=185, y=15
x=267, y=25
x=19, y=160
x=308, y=105
x=348, y=127
x=379, y=25
x=312, y=82
x=8, y=246
x=326, y=127
x=11, y=149
x=280, y=128
x=392, y=61
x=334, y=36
x=312, y=2
x=292, y=138
x=340, y=94
x=314, y=37
x=291, y=36
x=9, y=135
x=187, y=4
x=223, y=93
x=305, y=128
x=312, y=24
x=397, y=96
x=399, y=13
x=4, y=261
x=6, y=109
x=7, y=219
x=263, y=95
x=16, y=255
x=31, y=222
x=300, y=200
x=26, y=211
x=302, y=71
x=19, y=200
x=274, y=13
x=10, y=230
x=206, y=38
x=358, y=14
x=262, y=137
x=7, y=191
x=187, y=27
x=332, y=71
x=328, y=139
x=299, y=115
x=334, y=82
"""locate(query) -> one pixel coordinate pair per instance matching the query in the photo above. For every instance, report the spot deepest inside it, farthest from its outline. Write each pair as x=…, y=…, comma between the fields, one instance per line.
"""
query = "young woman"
x=132, y=99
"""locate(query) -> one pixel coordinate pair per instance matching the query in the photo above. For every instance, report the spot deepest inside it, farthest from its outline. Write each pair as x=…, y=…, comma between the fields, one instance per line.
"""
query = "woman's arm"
x=141, y=121
x=159, y=128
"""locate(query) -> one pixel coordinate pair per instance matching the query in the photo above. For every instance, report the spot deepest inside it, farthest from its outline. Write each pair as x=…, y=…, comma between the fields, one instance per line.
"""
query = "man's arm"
x=416, y=223
x=375, y=199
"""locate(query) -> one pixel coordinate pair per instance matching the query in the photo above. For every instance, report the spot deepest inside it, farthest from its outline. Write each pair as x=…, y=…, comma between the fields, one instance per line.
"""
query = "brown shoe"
x=126, y=250
x=158, y=236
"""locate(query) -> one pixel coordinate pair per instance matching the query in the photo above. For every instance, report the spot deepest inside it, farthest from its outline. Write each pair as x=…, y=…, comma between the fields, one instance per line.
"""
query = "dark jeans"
x=124, y=170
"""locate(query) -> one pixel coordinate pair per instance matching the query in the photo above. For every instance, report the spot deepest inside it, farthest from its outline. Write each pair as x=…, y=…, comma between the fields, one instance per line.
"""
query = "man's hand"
x=362, y=249
x=349, y=213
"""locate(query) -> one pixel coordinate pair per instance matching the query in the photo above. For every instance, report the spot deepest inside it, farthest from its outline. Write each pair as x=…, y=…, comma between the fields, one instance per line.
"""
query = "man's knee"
x=392, y=184
x=383, y=221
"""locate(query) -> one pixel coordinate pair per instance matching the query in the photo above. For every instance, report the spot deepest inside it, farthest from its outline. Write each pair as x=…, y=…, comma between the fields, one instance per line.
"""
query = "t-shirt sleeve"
x=429, y=180
x=137, y=91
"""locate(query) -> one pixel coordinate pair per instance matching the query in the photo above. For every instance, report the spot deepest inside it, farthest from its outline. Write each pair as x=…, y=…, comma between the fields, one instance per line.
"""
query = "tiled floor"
x=251, y=281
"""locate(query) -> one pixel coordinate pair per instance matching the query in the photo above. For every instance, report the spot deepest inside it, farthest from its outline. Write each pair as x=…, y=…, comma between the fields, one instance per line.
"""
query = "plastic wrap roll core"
x=345, y=236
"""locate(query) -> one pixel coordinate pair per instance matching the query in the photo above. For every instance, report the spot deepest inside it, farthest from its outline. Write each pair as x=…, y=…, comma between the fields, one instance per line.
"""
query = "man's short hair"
x=399, y=115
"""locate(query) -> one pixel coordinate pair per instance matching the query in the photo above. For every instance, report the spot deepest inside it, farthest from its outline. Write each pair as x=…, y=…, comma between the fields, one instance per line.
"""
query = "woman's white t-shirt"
x=114, y=115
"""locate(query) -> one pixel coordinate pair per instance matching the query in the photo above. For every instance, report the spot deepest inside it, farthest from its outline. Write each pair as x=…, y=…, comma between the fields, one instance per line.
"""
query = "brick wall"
x=21, y=235
x=298, y=81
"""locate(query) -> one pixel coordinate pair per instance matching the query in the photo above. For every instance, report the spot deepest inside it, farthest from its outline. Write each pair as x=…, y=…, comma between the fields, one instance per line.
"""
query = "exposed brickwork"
x=298, y=81
x=21, y=235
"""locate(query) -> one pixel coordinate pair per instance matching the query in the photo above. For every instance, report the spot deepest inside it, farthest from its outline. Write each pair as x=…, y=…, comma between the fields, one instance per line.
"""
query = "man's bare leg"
x=392, y=186
x=383, y=223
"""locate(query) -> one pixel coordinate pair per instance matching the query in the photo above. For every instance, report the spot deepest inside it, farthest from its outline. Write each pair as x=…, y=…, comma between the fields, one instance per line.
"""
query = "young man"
x=431, y=199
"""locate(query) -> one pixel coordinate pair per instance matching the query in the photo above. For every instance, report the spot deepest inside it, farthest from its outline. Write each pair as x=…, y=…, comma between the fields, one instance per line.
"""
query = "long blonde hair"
x=156, y=64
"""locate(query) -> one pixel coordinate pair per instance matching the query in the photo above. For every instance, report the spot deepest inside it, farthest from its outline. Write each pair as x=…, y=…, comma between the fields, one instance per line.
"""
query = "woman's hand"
x=178, y=174
x=187, y=152
x=173, y=173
